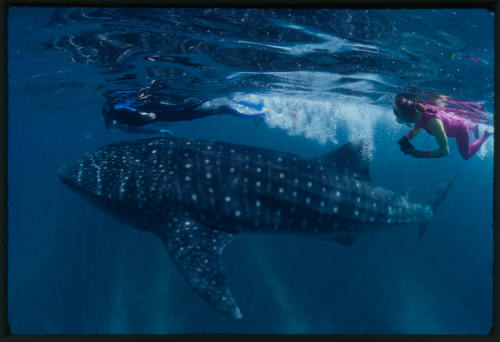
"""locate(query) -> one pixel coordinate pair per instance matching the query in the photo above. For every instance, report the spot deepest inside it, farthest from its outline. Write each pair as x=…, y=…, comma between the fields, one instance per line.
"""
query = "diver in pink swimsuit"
x=437, y=121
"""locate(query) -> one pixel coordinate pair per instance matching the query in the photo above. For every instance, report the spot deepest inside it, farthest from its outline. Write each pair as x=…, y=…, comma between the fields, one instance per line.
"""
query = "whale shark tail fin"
x=436, y=201
x=196, y=251
x=443, y=191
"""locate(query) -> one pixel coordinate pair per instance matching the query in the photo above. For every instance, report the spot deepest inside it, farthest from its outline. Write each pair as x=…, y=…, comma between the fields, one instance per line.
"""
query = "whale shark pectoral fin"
x=196, y=251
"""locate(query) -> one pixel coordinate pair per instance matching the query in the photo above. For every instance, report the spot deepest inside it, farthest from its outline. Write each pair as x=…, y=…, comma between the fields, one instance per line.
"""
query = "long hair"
x=406, y=104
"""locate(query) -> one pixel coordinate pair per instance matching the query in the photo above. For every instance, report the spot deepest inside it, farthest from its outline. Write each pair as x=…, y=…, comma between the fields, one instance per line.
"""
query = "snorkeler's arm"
x=437, y=129
x=413, y=132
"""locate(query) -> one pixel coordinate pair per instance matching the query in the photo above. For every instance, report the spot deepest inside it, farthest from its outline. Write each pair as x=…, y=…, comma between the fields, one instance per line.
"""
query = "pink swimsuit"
x=455, y=127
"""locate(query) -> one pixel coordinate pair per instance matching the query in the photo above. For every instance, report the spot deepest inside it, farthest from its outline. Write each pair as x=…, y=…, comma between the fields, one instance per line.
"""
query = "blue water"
x=325, y=77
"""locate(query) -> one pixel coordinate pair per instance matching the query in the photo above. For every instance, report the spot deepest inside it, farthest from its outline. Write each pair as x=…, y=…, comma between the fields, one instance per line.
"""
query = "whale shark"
x=198, y=195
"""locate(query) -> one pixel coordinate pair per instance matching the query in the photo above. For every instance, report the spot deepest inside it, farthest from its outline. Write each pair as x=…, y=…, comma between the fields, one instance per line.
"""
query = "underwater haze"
x=323, y=78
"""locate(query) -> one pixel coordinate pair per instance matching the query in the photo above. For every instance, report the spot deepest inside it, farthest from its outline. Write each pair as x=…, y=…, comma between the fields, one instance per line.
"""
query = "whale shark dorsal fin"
x=196, y=251
x=351, y=159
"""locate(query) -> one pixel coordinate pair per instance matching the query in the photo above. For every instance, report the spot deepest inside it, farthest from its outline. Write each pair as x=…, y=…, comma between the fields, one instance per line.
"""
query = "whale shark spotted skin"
x=197, y=195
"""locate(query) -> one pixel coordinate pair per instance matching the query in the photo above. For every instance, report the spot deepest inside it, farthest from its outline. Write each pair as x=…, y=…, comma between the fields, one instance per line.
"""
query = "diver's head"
x=122, y=109
x=405, y=107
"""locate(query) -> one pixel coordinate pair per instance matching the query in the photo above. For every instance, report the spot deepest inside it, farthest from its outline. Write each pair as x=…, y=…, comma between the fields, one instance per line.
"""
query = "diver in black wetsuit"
x=129, y=111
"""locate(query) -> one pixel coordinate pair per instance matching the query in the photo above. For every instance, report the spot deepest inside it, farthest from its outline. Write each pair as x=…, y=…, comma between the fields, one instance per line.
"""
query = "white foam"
x=488, y=144
x=323, y=117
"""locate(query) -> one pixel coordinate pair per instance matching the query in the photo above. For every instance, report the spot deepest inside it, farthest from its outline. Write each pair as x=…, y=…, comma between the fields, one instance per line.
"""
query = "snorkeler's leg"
x=467, y=149
x=463, y=143
x=474, y=146
x=475, y=130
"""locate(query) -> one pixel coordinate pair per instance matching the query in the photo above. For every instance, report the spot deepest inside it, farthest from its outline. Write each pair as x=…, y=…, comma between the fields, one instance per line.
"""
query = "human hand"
x=412, y=152
x=405, y=144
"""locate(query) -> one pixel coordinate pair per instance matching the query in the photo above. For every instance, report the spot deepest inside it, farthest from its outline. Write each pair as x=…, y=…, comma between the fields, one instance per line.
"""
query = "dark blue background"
x=74, y=270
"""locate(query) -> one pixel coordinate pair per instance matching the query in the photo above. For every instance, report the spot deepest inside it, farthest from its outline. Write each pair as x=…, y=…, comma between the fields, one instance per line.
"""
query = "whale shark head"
x=120, y=179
